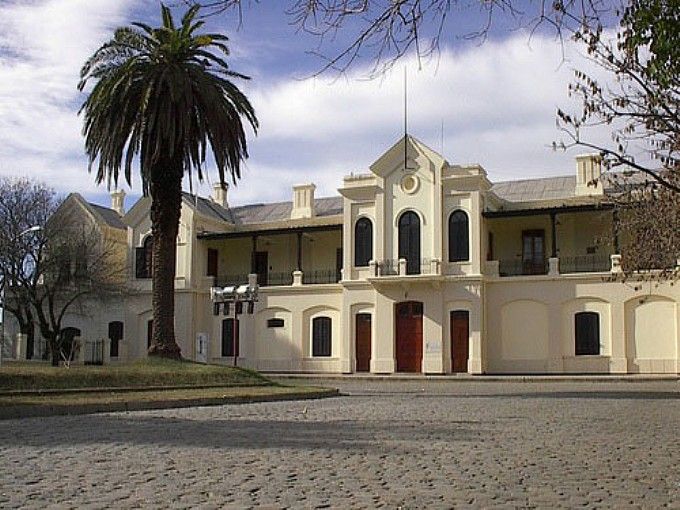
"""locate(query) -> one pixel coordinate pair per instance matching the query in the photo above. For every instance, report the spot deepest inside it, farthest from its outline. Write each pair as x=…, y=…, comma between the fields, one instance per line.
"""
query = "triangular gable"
x=393, y=158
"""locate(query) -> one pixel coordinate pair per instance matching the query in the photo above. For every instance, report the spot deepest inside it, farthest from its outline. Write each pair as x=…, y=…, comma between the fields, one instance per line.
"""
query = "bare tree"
x=24, y=204
x=640, y=102
x=61, y=266
x=383, y=31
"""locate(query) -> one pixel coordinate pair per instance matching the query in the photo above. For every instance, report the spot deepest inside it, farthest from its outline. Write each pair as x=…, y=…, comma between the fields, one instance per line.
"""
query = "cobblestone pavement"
x=424, y=444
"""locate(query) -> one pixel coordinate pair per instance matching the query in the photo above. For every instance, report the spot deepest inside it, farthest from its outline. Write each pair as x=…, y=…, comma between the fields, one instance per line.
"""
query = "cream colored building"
x=418, y=266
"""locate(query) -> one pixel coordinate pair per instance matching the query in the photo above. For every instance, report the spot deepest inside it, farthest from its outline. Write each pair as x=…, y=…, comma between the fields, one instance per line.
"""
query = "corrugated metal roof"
x=110, y=216
x=261, y=213
x=529, y=190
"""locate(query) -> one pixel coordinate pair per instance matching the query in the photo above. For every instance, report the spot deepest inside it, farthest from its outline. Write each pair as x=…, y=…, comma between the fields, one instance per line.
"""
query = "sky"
x=490, y=102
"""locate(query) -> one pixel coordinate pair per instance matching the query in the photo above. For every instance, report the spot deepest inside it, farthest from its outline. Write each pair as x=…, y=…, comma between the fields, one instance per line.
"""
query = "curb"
x=41, y=411
x=123, y=389
x=467, y=378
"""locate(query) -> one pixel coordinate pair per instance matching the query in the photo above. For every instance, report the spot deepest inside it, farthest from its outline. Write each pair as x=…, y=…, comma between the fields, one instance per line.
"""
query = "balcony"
x=585, y=264
x=401, y=267
x=517, y=267
x=594, y=263
x=285, y=278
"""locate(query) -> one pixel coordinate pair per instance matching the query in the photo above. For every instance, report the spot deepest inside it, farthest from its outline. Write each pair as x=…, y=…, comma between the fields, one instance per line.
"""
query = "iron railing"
x=585, y=264
x=517, y=267
x=320, y=276
x=390, y=267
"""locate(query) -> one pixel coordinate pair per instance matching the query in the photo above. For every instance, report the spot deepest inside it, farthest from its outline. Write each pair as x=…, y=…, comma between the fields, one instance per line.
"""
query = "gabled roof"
x=259, y=213
x=100, y=214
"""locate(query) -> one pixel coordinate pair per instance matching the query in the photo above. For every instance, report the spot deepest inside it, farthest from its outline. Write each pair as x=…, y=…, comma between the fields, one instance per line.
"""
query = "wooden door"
x=363, y=342
x=409, y=336
x=460, y=335
x=262, y=267
x=533, y=252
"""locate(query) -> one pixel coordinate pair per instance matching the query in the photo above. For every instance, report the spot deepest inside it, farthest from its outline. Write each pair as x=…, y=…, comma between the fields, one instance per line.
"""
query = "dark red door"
x=409, y=336
x=460, y=333
x=363, y=342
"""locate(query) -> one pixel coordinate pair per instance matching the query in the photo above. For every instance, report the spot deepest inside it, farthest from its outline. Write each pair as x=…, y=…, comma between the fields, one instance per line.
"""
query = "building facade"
x=418, y=266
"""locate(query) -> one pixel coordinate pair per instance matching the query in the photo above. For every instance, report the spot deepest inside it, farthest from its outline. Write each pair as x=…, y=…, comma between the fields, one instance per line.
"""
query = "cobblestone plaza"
x=409, y=444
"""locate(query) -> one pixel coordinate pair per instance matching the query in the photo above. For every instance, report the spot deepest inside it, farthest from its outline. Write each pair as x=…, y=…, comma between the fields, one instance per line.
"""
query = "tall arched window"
x=587, y=333
x=321, y=336
x=459, y=237
x=144, y=258
x=409, y=241
x=363, y=242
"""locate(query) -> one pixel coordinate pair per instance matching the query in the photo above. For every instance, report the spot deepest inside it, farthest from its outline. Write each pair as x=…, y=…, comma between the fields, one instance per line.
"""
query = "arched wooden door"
x=409, y=336
x=409, y=241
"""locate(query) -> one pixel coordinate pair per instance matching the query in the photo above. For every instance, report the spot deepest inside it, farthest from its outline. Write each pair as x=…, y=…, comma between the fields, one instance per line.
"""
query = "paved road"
x=414, y=444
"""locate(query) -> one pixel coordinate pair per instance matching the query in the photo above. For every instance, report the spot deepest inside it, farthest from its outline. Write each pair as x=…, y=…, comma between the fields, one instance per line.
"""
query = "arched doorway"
x=409, y=241
x=409, y=336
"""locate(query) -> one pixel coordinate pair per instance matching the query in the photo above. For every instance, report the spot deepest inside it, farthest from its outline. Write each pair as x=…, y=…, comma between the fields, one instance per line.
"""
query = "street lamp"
x=30, y=230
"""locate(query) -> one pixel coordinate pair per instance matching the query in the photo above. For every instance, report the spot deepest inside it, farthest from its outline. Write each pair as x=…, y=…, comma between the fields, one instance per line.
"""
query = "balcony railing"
x=585, y=264
x=320, y=276
x=390, y=267
x=515, y=267
x=281, y=278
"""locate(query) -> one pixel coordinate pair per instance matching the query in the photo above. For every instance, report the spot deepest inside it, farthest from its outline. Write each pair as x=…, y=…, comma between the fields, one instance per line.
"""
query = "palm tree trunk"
x=166, y=196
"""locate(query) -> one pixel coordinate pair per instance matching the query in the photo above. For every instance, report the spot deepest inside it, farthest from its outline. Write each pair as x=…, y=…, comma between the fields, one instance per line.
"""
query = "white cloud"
x=497, y=102
x=43, y=44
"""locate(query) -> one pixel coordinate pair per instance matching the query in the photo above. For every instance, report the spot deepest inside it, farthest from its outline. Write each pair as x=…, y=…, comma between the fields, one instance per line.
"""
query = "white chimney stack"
x=118, y=201
x=219, y=195
x=588, y=169
x=303, y=201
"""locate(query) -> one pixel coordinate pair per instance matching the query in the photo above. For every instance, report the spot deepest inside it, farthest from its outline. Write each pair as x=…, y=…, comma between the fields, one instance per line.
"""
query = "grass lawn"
x=151, y=372
x=132, y=397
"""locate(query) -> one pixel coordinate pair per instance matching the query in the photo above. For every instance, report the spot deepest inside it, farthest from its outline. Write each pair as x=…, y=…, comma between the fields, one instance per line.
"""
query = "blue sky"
x=496, y=100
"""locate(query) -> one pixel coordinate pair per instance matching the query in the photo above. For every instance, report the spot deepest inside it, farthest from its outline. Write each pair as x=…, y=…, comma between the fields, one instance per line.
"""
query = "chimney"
x=219, y=195
x=588, y=169
x=118, y=201
x=303, y=201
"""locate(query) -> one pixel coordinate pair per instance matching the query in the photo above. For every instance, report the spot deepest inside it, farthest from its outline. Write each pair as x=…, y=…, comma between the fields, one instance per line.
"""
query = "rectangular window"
x=213, y=256
x=275, y=323
x=321, y=336
x=587, y=332
x=533, y=252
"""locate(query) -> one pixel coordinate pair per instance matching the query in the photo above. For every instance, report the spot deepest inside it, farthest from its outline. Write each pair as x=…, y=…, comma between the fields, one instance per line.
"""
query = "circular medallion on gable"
x=410, y=183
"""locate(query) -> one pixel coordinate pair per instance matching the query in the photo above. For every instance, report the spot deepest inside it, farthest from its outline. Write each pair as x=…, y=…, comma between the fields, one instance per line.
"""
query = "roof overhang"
x=537, y=211
x=272, y=231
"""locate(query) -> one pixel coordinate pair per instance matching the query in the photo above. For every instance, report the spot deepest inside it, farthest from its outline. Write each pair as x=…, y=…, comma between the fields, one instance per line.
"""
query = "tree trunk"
x=53, y=346
x=166, y=197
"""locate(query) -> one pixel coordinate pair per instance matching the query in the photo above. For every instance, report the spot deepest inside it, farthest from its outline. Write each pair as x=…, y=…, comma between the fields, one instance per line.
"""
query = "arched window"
x=115, y=335
x=587, y=333
x=363, y=242
x=459, y=242
x=321, y=336
x=144, y=258
x=409, y=241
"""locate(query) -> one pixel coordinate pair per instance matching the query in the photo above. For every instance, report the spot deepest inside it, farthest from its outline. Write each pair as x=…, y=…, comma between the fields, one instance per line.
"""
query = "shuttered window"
x=587, y=332
x=321, y=336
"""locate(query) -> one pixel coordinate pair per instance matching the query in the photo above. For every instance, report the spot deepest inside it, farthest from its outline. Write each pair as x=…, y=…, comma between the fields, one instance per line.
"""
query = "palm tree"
x=164, y=94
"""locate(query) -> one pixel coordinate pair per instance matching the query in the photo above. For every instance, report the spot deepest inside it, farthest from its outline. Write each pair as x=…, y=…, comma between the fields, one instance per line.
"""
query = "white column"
x=106, y=355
